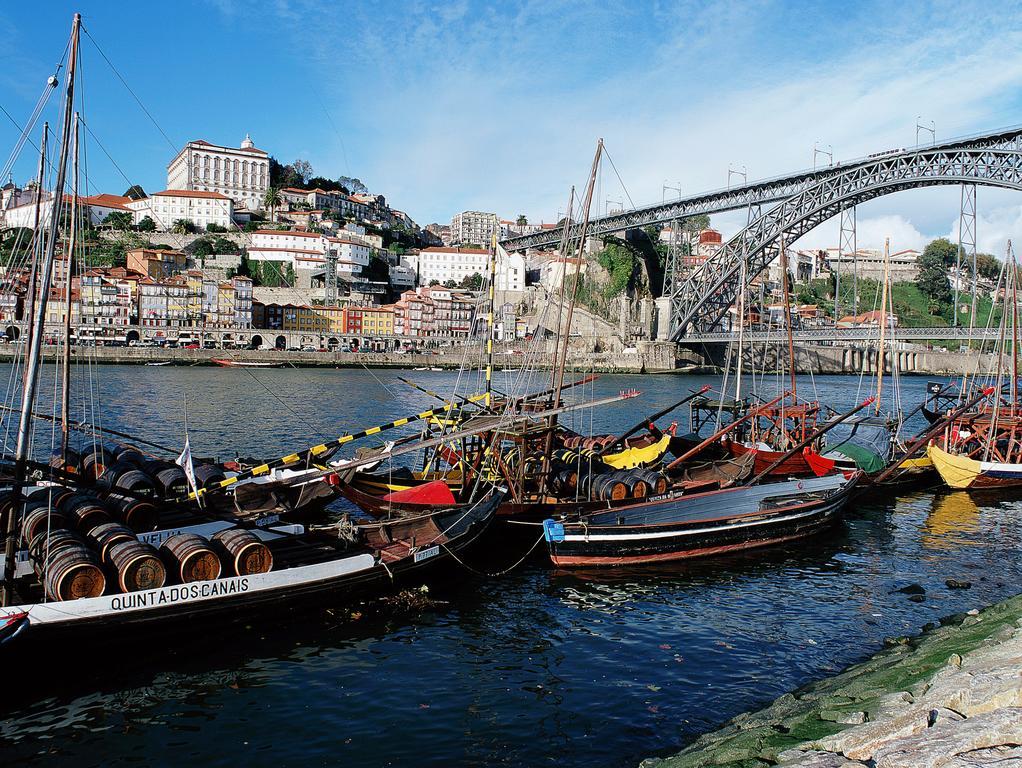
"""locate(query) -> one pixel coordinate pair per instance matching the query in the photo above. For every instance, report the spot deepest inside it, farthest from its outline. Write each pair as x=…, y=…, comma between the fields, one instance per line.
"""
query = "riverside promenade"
x=948, y=698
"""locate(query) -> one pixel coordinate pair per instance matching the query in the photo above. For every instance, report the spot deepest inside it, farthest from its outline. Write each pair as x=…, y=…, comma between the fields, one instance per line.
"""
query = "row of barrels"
x=72, y=565
x=612, y=486
x=58, y=507
x=595, y=443
x=127, y=469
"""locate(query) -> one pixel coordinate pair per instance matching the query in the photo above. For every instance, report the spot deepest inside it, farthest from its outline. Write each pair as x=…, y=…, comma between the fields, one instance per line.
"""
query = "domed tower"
x=247, y=142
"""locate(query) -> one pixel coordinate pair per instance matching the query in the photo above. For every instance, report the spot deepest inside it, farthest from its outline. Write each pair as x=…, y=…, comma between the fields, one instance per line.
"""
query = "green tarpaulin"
x=865, y=459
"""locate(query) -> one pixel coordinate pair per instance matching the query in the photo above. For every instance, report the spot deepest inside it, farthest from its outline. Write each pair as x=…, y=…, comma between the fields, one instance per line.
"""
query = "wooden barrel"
x=73, y=572
x=566, y=480
x=657, y=481
x=189, y=558
x=129, y=455
x=128, y=478
x=243, y=551
x=171, y=482
x=609, y=488
x=138, y=514
x=84, y=511
x=72, y=463
x=138, y=566
x=208, y=474
x=106, y=535
x=40, y=518
x=95, y=461
x=45, y=542
x=637, y=487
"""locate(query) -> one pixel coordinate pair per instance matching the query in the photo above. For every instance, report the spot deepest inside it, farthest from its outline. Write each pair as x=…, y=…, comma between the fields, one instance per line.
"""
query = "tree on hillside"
x=118, y=220
x=147, y=224
x=354, y=186
x=182, y=227
x=933, y=274
x=942, y=249
x=303, y=169
x=473, y=282
x=271, y=200
x=521, y=221
x=988, y=266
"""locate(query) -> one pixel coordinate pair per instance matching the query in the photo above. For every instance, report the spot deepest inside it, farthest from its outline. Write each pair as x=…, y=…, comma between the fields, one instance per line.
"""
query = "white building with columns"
x=242, y=174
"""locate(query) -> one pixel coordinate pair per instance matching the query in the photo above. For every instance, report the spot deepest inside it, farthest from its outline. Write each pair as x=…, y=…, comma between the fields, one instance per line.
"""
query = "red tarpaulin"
x=435, y=492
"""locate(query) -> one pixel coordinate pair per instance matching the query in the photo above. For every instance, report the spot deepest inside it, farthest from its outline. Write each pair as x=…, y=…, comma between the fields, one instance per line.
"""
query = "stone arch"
x=12, y=332
x=131, y=336
x=256, y=341
x=280, y=342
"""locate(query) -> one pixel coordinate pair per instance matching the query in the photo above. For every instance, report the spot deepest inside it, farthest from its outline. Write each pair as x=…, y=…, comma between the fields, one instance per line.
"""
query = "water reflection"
x=953, y=519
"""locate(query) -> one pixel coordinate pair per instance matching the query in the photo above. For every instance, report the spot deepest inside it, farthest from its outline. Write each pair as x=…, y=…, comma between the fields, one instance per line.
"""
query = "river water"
x=533, y=668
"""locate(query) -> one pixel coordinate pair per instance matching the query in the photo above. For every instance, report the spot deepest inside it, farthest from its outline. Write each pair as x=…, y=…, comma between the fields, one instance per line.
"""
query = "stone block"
x=937, y=746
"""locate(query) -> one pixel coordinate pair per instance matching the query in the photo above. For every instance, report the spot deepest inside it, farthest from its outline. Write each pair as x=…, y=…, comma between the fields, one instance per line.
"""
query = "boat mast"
x=23, y=446
x=37, y=240
x=787, y=318
x=883, y=323
x=65, y=394
x=741, y=334
x=489, y=330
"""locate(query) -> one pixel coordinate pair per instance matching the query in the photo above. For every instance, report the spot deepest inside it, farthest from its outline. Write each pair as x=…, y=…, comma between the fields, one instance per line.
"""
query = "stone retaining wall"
x=950, y=698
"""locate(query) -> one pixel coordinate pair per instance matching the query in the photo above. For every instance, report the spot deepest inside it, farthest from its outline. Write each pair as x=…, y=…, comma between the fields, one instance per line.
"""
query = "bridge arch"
x=707, y=294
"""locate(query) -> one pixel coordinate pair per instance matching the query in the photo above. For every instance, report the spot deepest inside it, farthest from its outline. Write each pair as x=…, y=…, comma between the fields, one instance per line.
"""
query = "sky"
x=448, y=106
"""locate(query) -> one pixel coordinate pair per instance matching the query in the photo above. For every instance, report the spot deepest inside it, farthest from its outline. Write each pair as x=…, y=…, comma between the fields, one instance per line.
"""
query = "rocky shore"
x=949, y=698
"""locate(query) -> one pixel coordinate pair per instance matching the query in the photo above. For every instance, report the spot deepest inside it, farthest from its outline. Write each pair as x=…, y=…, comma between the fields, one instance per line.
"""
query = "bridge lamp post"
x=931, y=129
x=828, y=153
x=735, y=172
x=606, y=206
x=666, y=186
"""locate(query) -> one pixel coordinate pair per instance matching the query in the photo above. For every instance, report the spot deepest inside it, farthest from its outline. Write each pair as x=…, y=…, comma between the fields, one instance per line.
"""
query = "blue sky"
x=452, y=105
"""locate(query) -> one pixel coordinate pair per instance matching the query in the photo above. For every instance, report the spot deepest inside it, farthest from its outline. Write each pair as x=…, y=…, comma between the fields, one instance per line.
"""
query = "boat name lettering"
x=177, y=593
x=424, y=554
x=268, y=520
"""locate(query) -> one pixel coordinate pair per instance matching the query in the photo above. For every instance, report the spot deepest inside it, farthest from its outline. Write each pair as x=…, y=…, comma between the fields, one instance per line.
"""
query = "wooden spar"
x=807, y=440
x=65, y=392
x=787, y=321
x=489, y=323
x=652, y=418
x=883, y=322
x=322, y=448
x=935, y=429
x=85, y=427
x=561, y=358
x=724, y=430
x=495, y=424
x=741, y=330
x=1014, y=333
x=37, y=240
x=23, y=445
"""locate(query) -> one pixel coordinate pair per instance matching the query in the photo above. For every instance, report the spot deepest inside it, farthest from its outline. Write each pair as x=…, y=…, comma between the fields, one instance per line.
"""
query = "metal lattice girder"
x=754, y=193
x=710, y=291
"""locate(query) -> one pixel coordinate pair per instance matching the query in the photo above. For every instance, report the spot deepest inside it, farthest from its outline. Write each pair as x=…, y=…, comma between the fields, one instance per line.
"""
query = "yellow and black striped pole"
x=319, y=450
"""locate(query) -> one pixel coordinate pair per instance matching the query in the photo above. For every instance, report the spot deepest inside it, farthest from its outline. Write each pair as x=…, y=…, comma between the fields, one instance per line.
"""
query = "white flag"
x=185, y=462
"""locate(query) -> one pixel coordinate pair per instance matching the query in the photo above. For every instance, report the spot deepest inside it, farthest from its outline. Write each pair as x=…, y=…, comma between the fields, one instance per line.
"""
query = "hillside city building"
x=242, y=174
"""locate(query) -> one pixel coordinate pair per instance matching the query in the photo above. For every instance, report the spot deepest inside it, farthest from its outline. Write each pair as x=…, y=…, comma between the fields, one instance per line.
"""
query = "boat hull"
x=332, y=580
x=699, y=525
x=793, y=466
x=964, y=473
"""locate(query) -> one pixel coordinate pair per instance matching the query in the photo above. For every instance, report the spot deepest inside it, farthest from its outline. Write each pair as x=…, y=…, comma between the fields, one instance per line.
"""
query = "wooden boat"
x=163, y=362
x=693, y=525
x=319, y=566
x=963, y=472
x=803, y=464
x=225, y=363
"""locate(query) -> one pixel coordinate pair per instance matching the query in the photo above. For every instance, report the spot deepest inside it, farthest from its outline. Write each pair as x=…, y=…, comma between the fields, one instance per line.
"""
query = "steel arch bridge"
x=753, y=194
x=699, y=301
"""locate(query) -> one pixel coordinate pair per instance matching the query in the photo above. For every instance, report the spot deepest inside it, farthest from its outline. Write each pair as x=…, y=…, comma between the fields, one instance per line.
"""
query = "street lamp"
x=735, y=172
x=665, y=187
x=931, y=128
x=828, y=153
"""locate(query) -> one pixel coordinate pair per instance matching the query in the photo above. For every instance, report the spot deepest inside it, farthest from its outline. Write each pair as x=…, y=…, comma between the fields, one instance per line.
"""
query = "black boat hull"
x=696, y=530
